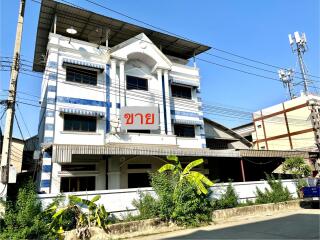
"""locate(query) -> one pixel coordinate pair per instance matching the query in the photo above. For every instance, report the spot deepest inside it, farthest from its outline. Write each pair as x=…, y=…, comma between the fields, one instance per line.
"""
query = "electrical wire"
x=79, y=19
x=19, y=126
x=122, y=88
x=25, y=125
x=179, y=36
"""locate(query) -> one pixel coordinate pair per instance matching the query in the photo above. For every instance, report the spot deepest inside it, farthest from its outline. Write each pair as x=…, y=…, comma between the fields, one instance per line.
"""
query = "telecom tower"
x=299, y=45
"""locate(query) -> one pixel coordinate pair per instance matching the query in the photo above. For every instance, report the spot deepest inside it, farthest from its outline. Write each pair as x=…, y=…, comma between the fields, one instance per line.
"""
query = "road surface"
x=298, y=224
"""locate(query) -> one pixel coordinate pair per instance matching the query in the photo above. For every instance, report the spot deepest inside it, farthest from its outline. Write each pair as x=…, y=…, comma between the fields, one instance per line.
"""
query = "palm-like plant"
x=95, y=216
x=193, y=177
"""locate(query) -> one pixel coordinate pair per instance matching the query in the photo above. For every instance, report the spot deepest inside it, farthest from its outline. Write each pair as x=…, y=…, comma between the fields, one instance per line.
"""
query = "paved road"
x=300, y=224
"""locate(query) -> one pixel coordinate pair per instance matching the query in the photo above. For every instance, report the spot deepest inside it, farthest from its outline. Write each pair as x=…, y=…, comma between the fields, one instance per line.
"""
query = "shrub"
x=227, y=200
x=164, y=184
x=24, y=218
x=277, y=192
x=147, y=206
x=191, y=208
x=182, y=195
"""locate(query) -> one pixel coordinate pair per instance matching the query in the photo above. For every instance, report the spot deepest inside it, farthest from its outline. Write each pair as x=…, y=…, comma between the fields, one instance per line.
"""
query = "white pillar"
x=101, y=178
x=122, y=84
x=55, y=179
x=160, y=101
x=114, y=178
x=168, y=98
x=113, y=94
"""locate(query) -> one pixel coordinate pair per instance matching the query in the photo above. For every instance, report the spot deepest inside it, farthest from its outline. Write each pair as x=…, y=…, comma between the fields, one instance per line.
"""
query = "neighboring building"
x=22, y=153
x=293, y=124
x=16, y=155
x=221, y=137
x=31, y=155
x=245, y=131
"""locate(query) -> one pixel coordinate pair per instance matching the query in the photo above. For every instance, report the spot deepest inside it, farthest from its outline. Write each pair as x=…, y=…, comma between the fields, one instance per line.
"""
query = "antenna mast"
x=299, y=45
x=286, y=76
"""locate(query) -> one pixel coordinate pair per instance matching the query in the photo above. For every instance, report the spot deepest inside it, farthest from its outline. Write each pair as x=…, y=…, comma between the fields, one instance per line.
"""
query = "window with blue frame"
x=182, y=130
x=81, y=75
x=77, y=123
x=137, y=83
x=181, y=91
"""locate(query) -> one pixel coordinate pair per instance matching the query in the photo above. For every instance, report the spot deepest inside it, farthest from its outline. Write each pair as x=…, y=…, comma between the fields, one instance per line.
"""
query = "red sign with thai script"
x=135, y=118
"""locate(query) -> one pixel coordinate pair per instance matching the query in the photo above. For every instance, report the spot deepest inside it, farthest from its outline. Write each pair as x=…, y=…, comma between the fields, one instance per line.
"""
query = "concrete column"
x=160, y=102
x=56, y=180
x=101, y=178
x=168, y=98
x=113, y=95
x=122, y=84
x=114, y=178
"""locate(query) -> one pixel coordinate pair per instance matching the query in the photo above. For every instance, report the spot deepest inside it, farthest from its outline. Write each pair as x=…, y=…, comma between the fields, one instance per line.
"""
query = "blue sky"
x=253, y=29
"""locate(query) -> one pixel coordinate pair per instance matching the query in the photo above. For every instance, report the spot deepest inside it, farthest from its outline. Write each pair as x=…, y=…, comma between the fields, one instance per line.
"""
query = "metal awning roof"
x=272, y=153
x=82, y=112
x=63, y=153
x=86, y=22
x=69, y=61
x=187, y=122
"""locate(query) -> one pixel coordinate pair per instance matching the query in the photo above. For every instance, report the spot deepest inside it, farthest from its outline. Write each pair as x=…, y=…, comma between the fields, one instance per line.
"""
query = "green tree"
x=298, y=168
x=193, y=177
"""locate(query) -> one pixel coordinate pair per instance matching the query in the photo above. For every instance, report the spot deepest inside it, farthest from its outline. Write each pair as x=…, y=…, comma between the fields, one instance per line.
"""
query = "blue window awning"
x=82, y=112
x=185, y=82
x=68, y=61
x=187, y=121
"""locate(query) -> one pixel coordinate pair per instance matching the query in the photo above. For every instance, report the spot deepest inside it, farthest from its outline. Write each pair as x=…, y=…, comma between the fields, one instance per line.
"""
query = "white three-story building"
x=95, y=71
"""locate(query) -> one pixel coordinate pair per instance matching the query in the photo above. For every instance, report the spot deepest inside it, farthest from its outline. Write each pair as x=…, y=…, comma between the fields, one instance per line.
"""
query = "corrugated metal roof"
x=229, y=131
x=86, y=22
x=63, y=153
x=272, y=153
x=82, y=112
x=187, y=122
x=69, y=61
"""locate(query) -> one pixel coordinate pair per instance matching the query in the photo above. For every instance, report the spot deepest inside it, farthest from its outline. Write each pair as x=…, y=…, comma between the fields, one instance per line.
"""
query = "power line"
x=78, y=19
x=180, y=36
x=25, y=125
x=15, y=116
x=115, y=86
x=249, y=113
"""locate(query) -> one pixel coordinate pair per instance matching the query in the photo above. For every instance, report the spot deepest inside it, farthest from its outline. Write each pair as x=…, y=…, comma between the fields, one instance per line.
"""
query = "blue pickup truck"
x=312, y=194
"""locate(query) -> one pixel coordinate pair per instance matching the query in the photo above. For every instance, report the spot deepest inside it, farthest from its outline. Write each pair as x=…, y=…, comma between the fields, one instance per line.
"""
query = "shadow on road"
x=297, y=226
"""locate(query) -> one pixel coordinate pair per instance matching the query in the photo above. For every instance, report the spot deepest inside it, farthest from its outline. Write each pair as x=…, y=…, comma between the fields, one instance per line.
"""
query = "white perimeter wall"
x=120, y=201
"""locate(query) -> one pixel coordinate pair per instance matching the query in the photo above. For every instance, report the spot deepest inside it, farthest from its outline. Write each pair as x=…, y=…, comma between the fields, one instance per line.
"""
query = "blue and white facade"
x=137, y=57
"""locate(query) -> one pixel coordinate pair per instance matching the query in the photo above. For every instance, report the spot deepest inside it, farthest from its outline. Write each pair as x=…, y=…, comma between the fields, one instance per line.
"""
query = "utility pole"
x=314, y=106
x=7, y=137
x=286, y=76
x=299, y=45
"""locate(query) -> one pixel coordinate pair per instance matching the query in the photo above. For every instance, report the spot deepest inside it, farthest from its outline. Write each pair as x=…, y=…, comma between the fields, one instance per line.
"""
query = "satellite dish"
x=98, y=36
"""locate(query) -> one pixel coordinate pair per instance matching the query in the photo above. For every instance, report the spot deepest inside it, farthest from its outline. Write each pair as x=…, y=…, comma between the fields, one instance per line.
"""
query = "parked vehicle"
x=311, y=193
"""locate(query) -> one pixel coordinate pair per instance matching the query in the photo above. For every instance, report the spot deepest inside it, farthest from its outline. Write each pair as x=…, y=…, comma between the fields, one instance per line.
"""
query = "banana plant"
x=193, y=177
x=95, y=216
